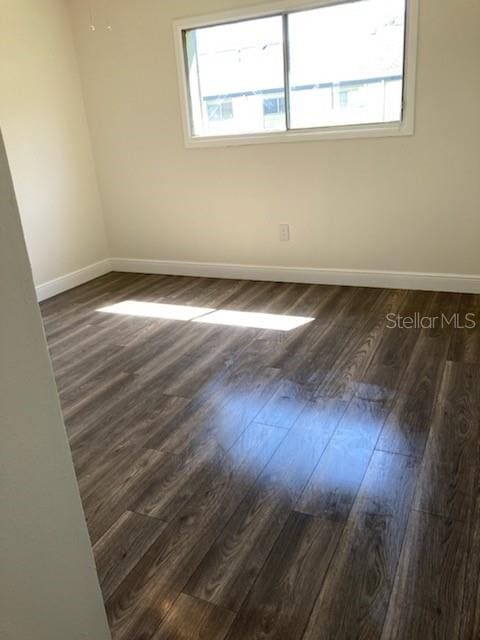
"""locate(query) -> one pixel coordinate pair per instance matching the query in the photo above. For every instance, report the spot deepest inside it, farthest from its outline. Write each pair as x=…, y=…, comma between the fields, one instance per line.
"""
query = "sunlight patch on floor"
x=276, y=322
x=156, y=310
x=226, y=317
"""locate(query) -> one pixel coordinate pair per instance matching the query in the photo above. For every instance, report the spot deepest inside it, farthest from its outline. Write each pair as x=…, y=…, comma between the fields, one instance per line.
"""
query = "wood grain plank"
x=72, y=316
x=333, y=486
x=233, y=562
x=341, y=380
x=134, y=411
x=442, y=314
x=192, y=373
x=285, y=405
x=144, y=598
x=388, y=486
x=451, y=460
x=384, y=373
x=303, y=342
x=122, y=546
x=355, y=594
x=230, y=406
x=470, y=618
x=427, y=599
x=110, y=497
x=465, y=344
x=279, y=604
x=407, y=427
x=193, y=619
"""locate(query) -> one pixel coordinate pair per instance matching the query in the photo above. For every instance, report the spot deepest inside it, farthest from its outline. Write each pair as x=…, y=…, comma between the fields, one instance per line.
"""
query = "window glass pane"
x=219, y=110
x=232, y=70
x=346, y=64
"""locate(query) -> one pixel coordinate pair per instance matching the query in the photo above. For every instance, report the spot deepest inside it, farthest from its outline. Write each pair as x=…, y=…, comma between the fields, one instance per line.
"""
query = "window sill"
x=388, y=130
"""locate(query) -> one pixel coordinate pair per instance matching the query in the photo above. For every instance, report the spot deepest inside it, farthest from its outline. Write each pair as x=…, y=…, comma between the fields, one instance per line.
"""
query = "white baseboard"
x=347, y=277
x=73, y=279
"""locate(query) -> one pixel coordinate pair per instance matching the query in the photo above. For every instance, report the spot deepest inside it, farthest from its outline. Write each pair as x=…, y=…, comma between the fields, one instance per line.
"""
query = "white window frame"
x=406, y=127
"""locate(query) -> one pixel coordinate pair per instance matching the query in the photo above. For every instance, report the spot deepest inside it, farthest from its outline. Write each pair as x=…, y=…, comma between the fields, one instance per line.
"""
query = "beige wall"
x=48, y=584
x=390, y=204
x=43, y=121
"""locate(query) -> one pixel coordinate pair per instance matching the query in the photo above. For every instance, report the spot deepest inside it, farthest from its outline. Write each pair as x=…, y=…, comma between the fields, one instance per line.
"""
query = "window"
x=234, y=64
x=274, y=113
x=351, y=94
x=222, y=110
x=343, y=69
x=273, y=106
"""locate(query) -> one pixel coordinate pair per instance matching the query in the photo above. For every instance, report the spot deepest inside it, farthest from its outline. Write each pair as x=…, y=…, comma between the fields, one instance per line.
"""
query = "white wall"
x=43, y=120
x=49, y=588
x=407, y=203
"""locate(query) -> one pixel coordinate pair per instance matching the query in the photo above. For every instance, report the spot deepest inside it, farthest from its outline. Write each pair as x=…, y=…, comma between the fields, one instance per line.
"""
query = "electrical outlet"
x=284, y=232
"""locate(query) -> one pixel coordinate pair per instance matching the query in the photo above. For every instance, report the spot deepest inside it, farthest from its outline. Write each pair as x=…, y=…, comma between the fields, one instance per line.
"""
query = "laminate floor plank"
x=194, y=373
x=336, y=480
x=285, y=405
x=110, y=497
x=342, y=379
x=386, y=369
x=389, y=486
x=254, y=296
x=83, y=367
x=62, y=327
x=233, y=562
x=279, y=604
x=185, y=340
x=179, y=479
x=330, y=303
x=88, y=402
x=442, y=314
x=134, y=410
x=349, y=343
x=174, y=486
x=222, y=416
x=427, y=599
x=193, y=619
x=470, y=618
x=97, y=468
x=465, y=344
x=117, y=330
x=87, y=293
x=77, y=314
x=122, y=546
x=311, y=366
x=452, y=457
x=407, y=427
x=144, y=598
x=277, y=348
x=137, y=429
x=146, y=290
x=356, y=591
x=356, y=306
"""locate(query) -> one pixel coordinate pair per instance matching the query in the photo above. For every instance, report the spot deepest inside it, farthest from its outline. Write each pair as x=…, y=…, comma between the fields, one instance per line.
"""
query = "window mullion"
x=286, y=70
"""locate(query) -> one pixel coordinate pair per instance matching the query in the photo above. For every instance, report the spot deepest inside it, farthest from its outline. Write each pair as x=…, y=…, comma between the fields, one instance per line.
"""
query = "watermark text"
x=419, y=321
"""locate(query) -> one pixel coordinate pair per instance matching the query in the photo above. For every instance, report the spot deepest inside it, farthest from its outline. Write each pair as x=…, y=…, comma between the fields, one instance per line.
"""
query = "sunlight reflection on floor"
x=277, y=322
x=156, y=310
x=273, y=321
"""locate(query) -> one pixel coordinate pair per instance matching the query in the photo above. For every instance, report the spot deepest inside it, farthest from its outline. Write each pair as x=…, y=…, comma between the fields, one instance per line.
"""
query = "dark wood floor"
x=245, y=483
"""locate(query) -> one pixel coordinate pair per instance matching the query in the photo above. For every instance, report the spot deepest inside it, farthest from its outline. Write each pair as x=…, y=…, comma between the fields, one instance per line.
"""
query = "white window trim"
x=404, y=128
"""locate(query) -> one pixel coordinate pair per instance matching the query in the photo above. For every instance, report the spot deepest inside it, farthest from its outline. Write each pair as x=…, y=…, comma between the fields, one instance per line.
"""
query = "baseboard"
x=347, y=277
x=73, y=279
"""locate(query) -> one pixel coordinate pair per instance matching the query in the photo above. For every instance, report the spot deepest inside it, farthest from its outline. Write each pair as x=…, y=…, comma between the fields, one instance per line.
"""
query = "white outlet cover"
x=284, y=232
